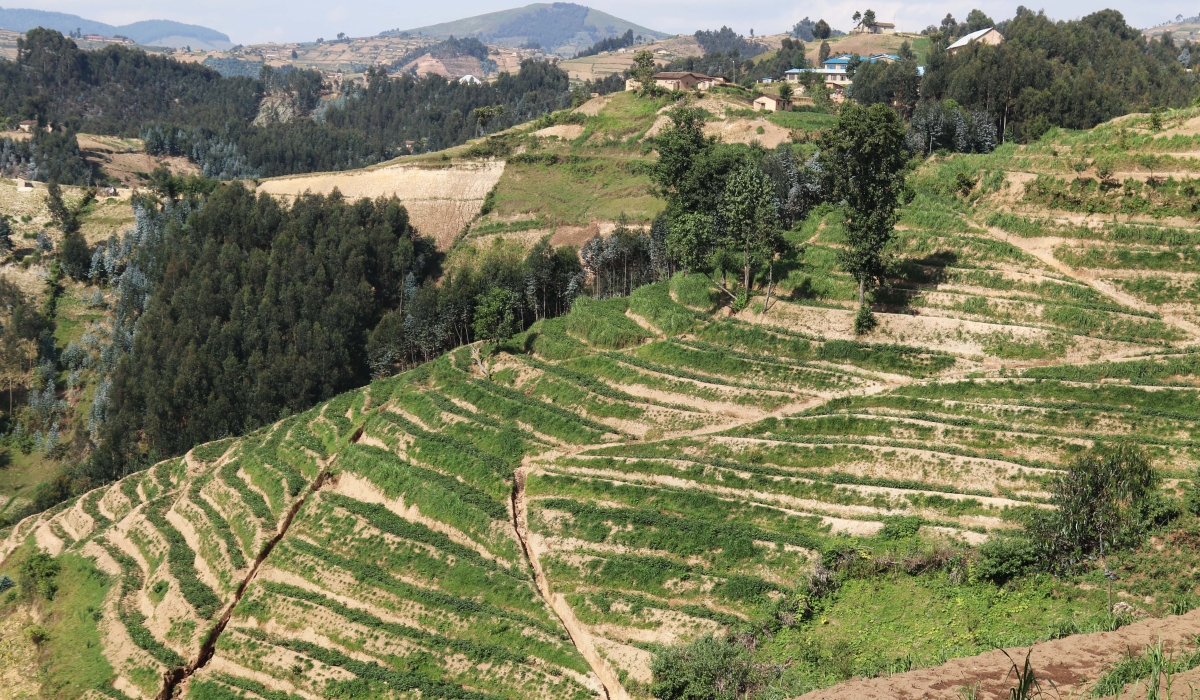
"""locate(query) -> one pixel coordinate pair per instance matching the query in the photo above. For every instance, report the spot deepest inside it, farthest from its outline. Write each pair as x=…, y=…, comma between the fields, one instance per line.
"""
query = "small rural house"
x=24, y=186
x=770, y=103
x=984, y=36
x=833, y=70
x=877, y=28
x=28, y=125
x=682, y=81
x=470, y=80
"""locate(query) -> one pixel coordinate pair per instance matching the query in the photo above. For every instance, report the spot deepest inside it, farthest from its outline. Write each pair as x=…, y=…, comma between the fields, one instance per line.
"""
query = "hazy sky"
x=252, y=21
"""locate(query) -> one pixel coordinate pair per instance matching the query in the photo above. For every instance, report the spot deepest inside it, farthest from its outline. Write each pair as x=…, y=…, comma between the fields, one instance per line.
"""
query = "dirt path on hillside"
x=611, y=685
x=1071, y=663
x=1043, y=250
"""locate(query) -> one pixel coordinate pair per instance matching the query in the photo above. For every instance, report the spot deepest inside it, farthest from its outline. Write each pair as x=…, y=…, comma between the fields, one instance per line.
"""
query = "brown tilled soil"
x=1069, y=663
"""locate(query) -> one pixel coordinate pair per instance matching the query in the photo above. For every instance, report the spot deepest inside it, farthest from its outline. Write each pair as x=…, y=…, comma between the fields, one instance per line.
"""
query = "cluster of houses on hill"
x=833, y=71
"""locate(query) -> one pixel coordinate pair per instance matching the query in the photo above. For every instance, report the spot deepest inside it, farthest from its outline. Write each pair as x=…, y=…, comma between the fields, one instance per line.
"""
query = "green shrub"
x=864, y=320
x=898, y=527
x=1005, y=557
x=708, y=668
x=1103, y=504
x=39, y=574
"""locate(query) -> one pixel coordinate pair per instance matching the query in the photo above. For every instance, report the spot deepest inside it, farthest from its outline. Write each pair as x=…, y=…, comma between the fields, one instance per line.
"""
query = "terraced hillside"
x=648, y=470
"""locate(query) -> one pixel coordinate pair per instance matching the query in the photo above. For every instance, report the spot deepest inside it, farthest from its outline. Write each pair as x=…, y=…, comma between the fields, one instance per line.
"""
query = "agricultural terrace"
x=649, y=470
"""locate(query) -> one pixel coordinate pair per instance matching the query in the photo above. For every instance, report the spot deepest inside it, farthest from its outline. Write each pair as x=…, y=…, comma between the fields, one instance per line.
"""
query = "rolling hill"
x=155, y=32
x=561, y=28
x=646, y=471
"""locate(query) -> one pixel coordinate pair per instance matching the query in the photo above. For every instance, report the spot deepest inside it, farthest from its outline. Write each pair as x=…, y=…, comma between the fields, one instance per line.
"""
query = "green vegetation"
x=181, y=563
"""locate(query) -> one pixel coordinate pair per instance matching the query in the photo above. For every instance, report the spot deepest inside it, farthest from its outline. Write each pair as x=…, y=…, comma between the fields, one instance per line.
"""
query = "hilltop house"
x=984, y=36
x=770, y=103
x=833, y=70
x=685, y=81
x=678, y=81
x=877, y=28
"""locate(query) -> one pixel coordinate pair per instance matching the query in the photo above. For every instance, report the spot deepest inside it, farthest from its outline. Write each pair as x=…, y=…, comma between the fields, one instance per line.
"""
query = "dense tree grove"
x=232, y=309
x=727, y=203
x=725, y=40
x=612, y=43
x=48, y=156
x=190, y=110
x=118, y=89
x=1073, y=74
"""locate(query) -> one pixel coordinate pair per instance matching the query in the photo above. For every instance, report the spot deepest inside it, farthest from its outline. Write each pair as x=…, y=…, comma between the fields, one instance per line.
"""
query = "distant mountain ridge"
x=153, y=32
x=562, y=28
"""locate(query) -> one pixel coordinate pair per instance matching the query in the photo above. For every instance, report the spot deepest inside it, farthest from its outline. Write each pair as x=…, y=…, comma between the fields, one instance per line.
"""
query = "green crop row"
x=181, y=562
x=1031, y=412
x=302, y=436
x=603, y=323
x=598, y=387
x=768, y=480
x=668, y=370
x=1061, y=394
x=769, y=429
x=652, y=573
x=218, y=523
x=439, y=495
x=520, y=398
x=712, y=361
x=561, y=392
x=133, y=619
x=986, y=428
x=91, y=506
x=129, y=487
x=455, y=456
x=609, y=366
x=369, y=573
x=267, y=479
x=483, y=653
x=211, y=451
x=384, y=520
x=212, y=690
x=162, y=473
x=769, y=368
x=503, y=402
x=1145, y=372
x=549, y=338
x=681, y=536
x=107, y=690
x=395, y=681
x=253, y=500
x=696, y=504
x=448, y=406
x=419, y=404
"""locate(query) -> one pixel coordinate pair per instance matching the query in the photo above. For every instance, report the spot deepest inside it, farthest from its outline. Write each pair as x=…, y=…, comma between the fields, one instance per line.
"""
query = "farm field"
x=649, y=470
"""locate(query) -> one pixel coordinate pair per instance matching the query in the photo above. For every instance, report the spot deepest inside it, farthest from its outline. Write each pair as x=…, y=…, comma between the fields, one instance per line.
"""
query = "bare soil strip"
x=1071, y=663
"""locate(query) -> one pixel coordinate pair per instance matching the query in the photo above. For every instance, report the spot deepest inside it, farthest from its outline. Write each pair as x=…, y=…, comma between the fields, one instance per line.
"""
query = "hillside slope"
x=645, y=471
x=153, y=32
x=562, y=28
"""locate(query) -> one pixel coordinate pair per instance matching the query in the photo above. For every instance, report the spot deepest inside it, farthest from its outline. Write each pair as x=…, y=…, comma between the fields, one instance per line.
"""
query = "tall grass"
x=653, y=302
x=603, y=323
